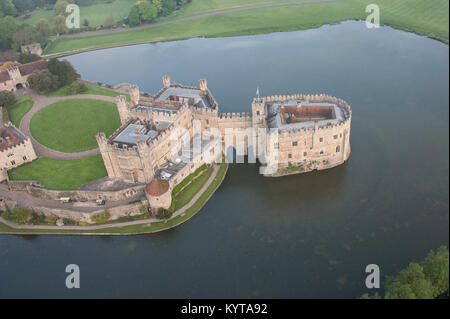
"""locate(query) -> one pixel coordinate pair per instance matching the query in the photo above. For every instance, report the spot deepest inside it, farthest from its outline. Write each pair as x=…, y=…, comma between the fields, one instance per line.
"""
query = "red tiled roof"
x=28, y=68
x=157, y=187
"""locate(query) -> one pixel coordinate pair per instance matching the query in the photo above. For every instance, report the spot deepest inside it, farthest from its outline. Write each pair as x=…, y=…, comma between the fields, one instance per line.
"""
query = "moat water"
x=308, y=235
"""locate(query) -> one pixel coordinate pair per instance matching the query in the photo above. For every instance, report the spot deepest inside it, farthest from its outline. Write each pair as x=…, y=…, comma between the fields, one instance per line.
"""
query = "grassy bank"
x=19, y=109
x=61, y=174
x=95, y=14
x=137, y=229
x=70, y=125
x=420, y=16
x=91, y=89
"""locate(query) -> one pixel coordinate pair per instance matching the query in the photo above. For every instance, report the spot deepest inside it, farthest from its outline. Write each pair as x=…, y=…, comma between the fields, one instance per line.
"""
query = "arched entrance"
x=19, y=86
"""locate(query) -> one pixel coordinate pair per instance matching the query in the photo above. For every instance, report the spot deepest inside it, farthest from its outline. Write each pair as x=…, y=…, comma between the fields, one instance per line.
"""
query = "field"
x=70, y=125
x=91, y=90
x=61, y=174
x=95, y=14
x=417, y=16
x=19, y=109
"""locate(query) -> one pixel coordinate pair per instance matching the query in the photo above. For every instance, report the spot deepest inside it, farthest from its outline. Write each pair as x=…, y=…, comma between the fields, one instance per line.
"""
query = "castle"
x=16, y=76
x=15, y=149
x=287, y=134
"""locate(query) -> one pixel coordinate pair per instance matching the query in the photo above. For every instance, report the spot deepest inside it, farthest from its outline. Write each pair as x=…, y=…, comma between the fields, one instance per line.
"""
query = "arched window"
x=338, y=149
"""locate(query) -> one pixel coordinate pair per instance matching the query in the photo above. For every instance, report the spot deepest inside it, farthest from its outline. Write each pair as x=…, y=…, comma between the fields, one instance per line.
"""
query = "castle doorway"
x=19, y=86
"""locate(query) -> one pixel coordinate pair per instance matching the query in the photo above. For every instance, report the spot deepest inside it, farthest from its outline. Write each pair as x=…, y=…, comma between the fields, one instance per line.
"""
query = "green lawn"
x=71, y=125
x=136, y=229
x=19, y=109
x=61, y=174
x=421, y=16
x=95, y=14
x=91, y=90
x=190, y=191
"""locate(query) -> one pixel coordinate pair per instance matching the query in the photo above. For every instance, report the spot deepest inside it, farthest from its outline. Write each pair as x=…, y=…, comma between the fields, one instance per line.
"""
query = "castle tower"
x=202, y=84
x=134, y=94
x=122, y=108
x=146, y=160
x=103, y=146
x=166, y=81
x=14, y=73
x=258, y=113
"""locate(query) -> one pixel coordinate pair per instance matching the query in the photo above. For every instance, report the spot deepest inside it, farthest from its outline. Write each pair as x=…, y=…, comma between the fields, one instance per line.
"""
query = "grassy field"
x=61, y=174
x=190, y=191
x=91, y=90
x=70, y=126
x=19, y=109
x=420, y=16
x=138, y=229
x=95, y=14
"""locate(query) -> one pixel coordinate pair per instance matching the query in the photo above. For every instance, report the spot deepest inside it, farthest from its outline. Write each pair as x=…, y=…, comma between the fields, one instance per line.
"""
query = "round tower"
x=158, y=194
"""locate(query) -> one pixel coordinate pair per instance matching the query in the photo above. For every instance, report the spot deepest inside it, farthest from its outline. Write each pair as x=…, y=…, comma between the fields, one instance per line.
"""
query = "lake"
x=300, y=236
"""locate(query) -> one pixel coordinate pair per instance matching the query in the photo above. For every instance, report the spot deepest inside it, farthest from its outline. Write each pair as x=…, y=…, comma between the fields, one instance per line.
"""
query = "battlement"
x=242, y=116
x=11, y=138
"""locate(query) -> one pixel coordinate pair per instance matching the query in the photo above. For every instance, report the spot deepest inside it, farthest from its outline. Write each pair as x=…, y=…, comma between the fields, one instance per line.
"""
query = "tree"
x=43, y=81
x=134, y=17
x=7, y=98
x=109, y=21
x=28, y=57
x=435, y=268
x=147, y=11
x=26, y=35
x=158, y=5
x=142, y=11
x=63, y=70
x=86, y=22
x=8, y=26
x=43, y=27
x=60, y=24
x=426, y=280
x=7, y=8
x=60, y=8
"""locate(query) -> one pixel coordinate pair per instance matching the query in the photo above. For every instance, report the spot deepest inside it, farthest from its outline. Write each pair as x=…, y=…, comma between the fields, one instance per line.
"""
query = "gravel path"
x=41, y=101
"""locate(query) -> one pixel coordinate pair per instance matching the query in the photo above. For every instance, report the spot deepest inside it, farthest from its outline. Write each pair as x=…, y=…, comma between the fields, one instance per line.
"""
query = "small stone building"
x=15, y=149
x=159, y=194
x=34, y=48
x=16, y=76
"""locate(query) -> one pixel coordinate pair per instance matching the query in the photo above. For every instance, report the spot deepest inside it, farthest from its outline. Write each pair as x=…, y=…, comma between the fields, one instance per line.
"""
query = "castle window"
x=335, y=137
x=276, y=146
x=338, y=149
x=257, y=112
x=207, y=122
x=340, y=135
x=321, y=152
x=294, y=143
x=304, y=153
x=289, y=155
x=321, y=139
x=13, y=162
x=24, y=158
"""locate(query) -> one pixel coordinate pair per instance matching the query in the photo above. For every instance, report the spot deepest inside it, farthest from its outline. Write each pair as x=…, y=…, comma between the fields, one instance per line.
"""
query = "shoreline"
x=143, y=223
x=234, y=34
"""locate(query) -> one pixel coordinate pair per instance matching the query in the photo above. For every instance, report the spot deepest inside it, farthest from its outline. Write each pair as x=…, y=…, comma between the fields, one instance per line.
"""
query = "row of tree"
x=426, y=280
x=148, y=10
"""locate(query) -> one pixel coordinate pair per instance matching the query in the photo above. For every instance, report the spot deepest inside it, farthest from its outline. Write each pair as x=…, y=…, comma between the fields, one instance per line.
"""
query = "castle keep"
x=287, y=134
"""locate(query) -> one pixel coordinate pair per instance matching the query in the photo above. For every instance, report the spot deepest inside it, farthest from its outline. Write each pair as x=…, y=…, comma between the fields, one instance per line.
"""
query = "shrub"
x=7, y=98
x=28, y=57
x=43, y=81
x=102, y=218
x=76, y=88
x=18, y=215
x=163, y=213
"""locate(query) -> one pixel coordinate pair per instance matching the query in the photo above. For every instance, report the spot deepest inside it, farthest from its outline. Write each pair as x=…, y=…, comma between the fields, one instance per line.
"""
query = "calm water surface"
x=298, y=236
